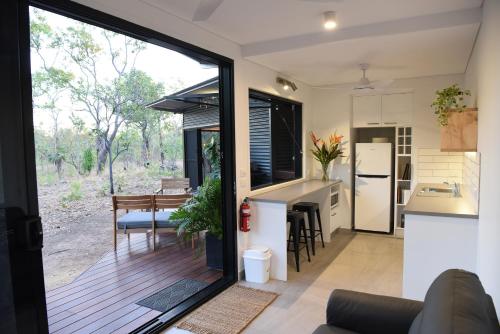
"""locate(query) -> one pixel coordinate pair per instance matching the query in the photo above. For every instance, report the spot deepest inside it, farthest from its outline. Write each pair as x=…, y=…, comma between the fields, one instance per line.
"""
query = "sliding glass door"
x=100, y=119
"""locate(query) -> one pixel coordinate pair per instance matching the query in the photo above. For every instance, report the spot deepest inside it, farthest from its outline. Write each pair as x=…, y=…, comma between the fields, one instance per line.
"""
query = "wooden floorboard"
x=102, y=299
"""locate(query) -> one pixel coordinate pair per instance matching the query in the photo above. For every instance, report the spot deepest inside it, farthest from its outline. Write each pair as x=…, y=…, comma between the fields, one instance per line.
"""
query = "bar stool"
x=297, y=227
x=310, y=208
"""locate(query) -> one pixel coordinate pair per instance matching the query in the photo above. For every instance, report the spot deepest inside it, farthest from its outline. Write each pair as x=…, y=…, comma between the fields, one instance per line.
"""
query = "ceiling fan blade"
x=205, y=9
x=382, y=83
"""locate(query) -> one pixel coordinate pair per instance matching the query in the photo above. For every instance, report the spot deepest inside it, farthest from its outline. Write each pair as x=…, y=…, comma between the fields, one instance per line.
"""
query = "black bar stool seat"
x=312, y=208
x=297, y=231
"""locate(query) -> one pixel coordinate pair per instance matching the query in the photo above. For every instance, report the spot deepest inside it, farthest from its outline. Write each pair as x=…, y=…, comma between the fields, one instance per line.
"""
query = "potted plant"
x=326, y=153
x=458, y=123
x=203, y=213
x=450, y=99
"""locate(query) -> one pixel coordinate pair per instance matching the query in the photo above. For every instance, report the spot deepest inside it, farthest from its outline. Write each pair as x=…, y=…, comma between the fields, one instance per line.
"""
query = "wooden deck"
x=102, y=299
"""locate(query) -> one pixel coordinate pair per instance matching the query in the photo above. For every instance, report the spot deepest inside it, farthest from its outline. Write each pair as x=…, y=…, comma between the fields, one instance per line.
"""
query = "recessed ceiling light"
x=330, y=21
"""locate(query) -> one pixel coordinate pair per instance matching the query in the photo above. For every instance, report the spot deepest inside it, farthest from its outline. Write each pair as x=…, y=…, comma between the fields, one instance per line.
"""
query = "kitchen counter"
x=294, y=192
x=459, y=207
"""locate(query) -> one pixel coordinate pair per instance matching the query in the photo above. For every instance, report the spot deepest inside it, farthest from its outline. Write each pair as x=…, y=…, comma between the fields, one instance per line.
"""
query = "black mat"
x=172, y=295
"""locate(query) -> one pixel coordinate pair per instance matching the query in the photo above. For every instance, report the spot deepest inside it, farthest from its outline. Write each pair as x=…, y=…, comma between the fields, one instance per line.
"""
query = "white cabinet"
x=366, y=110
x=397, y=109
x=382, y=110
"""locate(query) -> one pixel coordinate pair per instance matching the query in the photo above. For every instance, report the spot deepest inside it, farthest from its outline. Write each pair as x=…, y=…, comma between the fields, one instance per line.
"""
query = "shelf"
x=399, y=228
x=400, y=204
x=403, y=180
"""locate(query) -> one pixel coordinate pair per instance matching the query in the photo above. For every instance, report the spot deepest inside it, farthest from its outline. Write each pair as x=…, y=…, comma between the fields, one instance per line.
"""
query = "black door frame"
x=226, y=88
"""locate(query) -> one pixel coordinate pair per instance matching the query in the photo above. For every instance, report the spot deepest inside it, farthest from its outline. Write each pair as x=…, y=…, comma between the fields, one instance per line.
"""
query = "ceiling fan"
x=365, y=84
x=206, y=8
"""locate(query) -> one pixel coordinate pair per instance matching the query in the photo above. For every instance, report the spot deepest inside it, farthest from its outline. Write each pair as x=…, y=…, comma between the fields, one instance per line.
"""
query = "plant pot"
x=214, y=251
x=460, y=135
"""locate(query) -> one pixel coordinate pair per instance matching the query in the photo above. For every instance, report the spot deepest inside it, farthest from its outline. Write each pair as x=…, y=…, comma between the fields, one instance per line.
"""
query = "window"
x=275, y=140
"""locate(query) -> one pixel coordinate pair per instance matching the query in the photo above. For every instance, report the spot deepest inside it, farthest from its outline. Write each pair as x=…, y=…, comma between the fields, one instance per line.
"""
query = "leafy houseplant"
x=203, y=212
x=447, y=100
x=325, y=153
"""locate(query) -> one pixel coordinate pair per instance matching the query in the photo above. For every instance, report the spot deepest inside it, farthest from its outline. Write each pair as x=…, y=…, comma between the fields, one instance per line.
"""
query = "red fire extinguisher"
x=245, y=216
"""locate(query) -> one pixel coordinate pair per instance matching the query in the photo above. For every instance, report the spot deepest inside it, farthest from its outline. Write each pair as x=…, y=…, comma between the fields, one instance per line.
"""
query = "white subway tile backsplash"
x=434, y=166
x=429, y=151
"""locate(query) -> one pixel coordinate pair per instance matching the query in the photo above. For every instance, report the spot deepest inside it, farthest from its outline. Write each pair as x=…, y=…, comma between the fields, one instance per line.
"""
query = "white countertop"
x=461, y=207
x=294, y=191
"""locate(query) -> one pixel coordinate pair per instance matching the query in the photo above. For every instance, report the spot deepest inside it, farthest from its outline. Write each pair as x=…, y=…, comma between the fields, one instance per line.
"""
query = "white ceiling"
x=394, y=55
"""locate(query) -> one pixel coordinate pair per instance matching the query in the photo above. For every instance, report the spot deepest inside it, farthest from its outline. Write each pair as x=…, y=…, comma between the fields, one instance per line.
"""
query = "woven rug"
x=228, y=313
x=172, y=295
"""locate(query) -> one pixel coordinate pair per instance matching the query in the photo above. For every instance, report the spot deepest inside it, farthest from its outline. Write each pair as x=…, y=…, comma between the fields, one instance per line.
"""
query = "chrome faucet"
x=456, y=188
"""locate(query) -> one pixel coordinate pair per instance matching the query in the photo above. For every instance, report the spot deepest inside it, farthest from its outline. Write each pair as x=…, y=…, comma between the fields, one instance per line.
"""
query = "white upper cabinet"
x=382, y=110
x=366, y=110
x=397, y=109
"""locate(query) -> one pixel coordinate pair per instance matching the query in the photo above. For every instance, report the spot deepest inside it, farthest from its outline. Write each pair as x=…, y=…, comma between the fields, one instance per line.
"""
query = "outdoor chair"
x=133, y=222
x=149, y=219
x=168, y=204
x=180, y=185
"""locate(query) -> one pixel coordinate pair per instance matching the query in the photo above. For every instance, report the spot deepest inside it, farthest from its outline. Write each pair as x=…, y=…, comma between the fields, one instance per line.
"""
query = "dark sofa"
x=455, y=303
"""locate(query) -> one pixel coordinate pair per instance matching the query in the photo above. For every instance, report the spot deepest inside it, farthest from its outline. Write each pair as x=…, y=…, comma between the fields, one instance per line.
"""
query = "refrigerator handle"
x=372, y=176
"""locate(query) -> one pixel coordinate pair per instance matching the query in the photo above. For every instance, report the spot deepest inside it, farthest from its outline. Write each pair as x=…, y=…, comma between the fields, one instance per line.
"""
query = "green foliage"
x=75, y=192
x=203, y=212
x=211, y=151
x=448, y=99
x=88, y=161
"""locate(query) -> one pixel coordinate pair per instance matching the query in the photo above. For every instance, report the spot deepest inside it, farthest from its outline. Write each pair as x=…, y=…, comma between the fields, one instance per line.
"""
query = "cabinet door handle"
x=390, y=122
x=373, y=123
x=333, y=214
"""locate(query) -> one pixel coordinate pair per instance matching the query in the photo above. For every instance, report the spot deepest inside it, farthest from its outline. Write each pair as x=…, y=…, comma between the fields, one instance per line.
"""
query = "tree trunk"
x=111, y=187
x=162, y=154
x=145, y=146
x=102, y=155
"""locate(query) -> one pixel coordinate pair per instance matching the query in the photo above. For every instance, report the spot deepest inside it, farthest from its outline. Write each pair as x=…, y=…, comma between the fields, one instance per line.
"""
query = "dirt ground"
x=79, y=232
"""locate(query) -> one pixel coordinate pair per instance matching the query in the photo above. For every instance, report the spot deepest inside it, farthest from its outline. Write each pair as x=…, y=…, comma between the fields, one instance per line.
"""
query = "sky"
x=171, y=68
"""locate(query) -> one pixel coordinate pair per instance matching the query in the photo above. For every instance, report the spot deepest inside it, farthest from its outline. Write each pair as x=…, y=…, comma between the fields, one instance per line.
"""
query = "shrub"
x=75, y=192
x=88, y=161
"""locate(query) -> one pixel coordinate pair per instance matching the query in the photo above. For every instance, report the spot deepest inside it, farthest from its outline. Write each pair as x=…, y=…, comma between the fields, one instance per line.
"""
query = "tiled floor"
x=362, y=262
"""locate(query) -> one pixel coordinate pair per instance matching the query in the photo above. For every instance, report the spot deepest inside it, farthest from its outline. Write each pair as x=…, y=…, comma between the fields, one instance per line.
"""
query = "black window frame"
x=296, y=108
x=107, y=21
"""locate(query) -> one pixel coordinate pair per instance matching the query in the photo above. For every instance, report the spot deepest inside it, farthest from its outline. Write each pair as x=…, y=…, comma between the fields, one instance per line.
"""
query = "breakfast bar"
x=268, y=217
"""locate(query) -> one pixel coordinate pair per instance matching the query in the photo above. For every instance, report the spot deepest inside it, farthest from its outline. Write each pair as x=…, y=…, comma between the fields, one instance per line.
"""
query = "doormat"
x=172, y=295
x=228, y=313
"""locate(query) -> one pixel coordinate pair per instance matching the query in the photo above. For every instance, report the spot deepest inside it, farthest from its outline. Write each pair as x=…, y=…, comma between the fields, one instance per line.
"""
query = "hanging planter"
x=460, y=134
x=458, y=123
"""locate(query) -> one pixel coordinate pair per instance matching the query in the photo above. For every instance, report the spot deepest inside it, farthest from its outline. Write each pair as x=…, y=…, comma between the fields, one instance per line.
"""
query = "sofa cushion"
x=163, y=220
x=142, y=219
x=327, y=329
x=456, y=303
x=133, y=220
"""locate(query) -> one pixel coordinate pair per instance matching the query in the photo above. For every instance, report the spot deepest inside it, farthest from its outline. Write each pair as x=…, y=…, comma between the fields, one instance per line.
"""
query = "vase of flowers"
x=326, y=152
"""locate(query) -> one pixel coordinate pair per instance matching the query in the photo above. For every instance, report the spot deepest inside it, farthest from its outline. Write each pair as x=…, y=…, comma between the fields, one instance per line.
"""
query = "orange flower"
x=338, y=139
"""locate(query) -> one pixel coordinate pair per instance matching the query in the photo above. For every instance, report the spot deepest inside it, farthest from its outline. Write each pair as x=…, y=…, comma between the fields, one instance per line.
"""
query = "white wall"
x=247, y=75
x=483, y=79
x=332, y=110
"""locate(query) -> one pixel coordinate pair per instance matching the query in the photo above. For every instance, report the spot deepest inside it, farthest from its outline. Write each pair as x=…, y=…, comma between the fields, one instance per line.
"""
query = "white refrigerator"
x=372, y=199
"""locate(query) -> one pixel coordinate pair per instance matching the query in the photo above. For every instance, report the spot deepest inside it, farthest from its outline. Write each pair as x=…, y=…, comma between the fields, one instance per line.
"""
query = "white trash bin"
x=257, y=261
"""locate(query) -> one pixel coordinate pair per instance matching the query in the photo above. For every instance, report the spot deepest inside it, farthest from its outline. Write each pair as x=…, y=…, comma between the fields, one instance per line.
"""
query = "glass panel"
x=401, y=150
x=130, y=118
x=401, y=131
x=408, y=131
x=401, y=140
x=408, y=150
x=408, y=140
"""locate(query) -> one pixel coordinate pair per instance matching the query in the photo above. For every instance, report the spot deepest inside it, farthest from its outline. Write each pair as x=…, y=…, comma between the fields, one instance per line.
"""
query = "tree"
x=141, y=90
x=49, y=83
x=102, y=99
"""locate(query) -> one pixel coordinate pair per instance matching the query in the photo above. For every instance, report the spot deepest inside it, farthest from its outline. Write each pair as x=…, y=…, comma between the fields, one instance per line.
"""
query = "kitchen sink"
x=437, y=192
